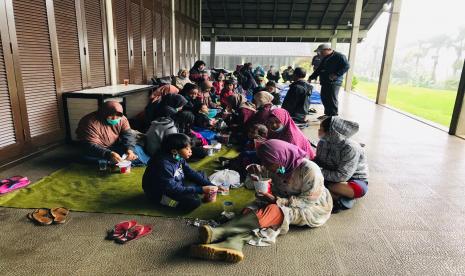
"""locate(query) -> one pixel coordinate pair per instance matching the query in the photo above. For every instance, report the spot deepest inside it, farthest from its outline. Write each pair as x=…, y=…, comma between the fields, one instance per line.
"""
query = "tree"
x=459, y=46
x=437, y=43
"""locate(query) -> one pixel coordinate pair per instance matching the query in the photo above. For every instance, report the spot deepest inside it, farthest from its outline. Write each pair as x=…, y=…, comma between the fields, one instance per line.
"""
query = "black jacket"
x=336, y=64
x=296, y=101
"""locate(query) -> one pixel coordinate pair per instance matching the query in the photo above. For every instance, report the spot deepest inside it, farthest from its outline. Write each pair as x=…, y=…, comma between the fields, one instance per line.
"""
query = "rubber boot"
x=229, y=250
x=238, y=225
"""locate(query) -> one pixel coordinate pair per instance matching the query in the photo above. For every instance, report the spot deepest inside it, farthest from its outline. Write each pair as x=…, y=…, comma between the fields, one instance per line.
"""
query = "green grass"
x=432, y=104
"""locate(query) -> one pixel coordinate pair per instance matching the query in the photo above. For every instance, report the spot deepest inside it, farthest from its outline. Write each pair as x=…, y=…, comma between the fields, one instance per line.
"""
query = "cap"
x=323, y=47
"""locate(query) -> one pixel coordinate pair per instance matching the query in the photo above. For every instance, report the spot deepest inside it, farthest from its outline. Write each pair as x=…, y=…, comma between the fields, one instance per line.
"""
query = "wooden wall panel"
x=136, y=26
x=121, y=32
x=95, y=41
x=149, y=49
x=68, y=45
x=159, y=42
x=36, y=65
x=7, y=133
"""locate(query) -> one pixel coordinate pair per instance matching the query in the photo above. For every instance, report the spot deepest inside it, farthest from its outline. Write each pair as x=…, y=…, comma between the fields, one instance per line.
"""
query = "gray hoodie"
x=340, y=157
x=159, y=128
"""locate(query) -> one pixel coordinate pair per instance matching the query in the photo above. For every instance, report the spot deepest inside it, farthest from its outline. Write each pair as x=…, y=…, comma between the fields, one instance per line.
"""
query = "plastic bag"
x=226, y=176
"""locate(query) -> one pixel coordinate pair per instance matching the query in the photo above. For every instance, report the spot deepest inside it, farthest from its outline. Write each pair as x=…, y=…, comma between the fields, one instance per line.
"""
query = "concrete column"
x=111, y=41
x=353, y=44
x=212, y=49
x=388, y=54
x=173, y=40
x=457, y=125
x=334, y=42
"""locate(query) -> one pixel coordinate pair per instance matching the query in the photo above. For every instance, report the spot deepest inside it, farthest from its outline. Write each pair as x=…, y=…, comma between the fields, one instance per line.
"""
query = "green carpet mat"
x=83, y=188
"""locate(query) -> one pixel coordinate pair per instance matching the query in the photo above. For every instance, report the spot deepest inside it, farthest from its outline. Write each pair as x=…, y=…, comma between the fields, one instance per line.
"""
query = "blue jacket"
x=165, y=176
x=336, y=64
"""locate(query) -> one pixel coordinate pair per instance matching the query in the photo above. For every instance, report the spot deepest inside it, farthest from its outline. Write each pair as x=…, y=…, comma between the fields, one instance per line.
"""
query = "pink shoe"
x=13, y=183
x=135, y=233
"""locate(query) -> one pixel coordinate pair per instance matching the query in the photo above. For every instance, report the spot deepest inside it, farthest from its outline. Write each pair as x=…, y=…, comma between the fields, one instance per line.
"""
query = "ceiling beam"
x=258, y=13
x=242, y=14
x=226, y=14
x=365, y=5
x=324, y=14
x=290, y=14
x=307, y=14
x=341, y=34
x=275, y=11
x=207, y=2
x=342, y=14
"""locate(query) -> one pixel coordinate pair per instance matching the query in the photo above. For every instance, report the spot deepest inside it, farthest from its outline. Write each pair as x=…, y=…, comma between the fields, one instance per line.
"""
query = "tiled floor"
x=412, y=221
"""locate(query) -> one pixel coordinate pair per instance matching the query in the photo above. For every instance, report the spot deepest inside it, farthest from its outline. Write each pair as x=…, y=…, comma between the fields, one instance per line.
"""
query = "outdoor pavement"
x=411, y=222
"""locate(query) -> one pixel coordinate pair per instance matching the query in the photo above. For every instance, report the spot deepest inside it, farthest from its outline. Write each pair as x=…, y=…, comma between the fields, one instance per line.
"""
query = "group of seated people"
x=307, y=184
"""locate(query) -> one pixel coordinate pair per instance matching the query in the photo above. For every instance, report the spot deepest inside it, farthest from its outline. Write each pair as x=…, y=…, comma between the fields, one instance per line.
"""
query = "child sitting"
x=227, y=91
x=202, y=119
x=342, y=161
x=206, y=94
x=163, y=180
x=257, y=134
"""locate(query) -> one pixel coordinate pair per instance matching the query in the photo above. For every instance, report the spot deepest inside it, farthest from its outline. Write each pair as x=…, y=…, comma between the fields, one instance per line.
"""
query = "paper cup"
x=263, y=186
x=210, y=195
x=124, y=166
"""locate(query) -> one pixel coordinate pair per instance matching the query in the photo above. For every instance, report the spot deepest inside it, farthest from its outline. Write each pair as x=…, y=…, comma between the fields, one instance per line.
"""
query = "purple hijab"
x=282, y=153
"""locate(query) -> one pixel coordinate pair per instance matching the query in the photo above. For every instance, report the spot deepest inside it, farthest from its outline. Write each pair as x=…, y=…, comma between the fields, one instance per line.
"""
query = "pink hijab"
x=162, y=91
x=291, y=133
x=281, y=153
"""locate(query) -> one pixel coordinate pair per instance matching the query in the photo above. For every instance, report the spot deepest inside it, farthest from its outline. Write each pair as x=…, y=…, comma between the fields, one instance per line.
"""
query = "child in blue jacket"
x=164, y=177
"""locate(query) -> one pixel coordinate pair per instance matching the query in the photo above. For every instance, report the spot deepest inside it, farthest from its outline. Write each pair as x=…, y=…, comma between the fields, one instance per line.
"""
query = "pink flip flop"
x=13, y=183
x=121, y=229
x=135, y=233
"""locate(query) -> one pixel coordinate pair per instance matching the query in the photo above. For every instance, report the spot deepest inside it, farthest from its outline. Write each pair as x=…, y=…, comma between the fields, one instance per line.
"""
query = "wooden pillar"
x=388, y=54
x=353, y=44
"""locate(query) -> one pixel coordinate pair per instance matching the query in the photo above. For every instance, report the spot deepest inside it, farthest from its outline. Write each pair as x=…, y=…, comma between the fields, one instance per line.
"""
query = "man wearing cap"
x=331, y=71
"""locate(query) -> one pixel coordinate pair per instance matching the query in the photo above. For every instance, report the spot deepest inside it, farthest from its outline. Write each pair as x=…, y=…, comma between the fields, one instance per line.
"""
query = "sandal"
x=13, y=183
x=120, y=230
x=135, y=233
x=41, y=217
x=59, y=215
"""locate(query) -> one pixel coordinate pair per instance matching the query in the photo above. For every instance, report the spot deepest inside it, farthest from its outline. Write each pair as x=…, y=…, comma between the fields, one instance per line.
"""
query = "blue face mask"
x=279, y=129
x=281, y=170
x=113, y=122
x=177, y=157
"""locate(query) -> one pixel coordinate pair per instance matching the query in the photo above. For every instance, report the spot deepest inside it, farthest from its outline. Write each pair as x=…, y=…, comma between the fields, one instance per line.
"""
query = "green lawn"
x=431, y=104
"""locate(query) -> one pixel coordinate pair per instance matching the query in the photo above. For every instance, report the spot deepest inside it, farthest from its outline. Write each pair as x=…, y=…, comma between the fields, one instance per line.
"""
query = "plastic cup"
x=226, y=187
x=263, y=186
x=228, y=207
x=210, y=194
x=126, y=82
x=124, y=166
x=224, y=139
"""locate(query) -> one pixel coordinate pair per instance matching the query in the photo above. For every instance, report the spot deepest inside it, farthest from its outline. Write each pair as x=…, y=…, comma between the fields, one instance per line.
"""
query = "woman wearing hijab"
x=206, y=94
x=298, y=197
x=169, y=105
x=242, y=110
x=191, y=93
x=106, y=135
x=282, y=127
x=182, y=78
x=162, y=91
x=197, y=73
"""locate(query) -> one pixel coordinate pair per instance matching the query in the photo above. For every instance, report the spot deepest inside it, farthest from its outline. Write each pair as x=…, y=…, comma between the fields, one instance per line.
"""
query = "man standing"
x=331, y=71
x=296, y=101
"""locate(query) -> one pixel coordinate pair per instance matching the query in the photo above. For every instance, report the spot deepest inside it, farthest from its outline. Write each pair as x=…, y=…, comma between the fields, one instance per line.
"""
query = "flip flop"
x=41, y=217
x=59, y=214
x=120, y=229
x=13, y=183
x=135, y=233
